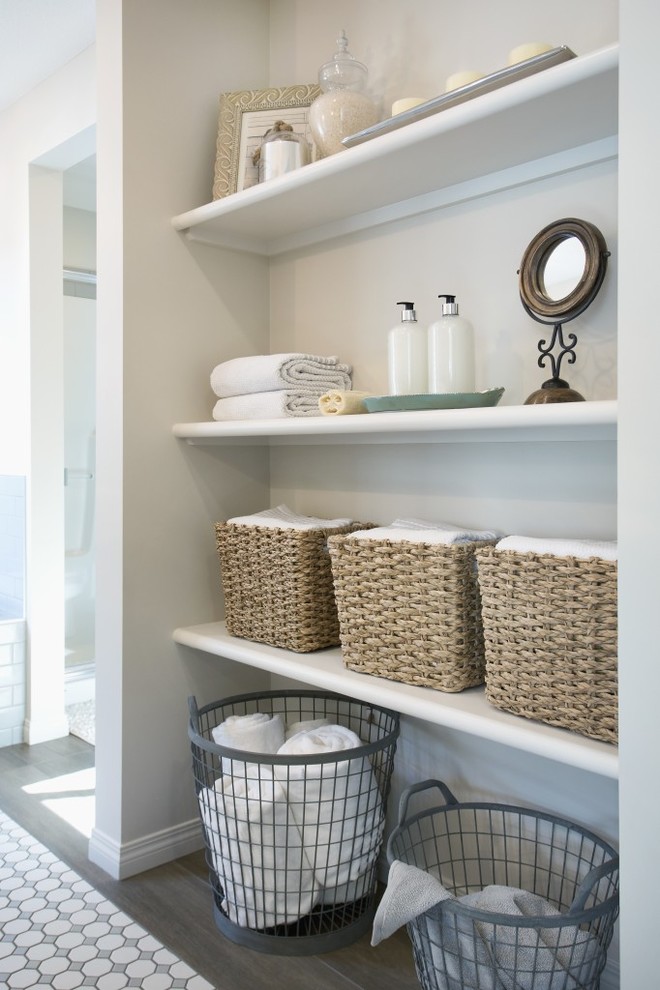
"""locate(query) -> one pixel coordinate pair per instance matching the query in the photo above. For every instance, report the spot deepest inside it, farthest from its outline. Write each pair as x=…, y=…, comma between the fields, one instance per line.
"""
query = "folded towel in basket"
x=419, y=531
x=272, y=372
x=336, y=805
x=478, y=952
x=256, y=850
x=282, y=517
x=267, y=405
x=605, y=549
x=257, y=732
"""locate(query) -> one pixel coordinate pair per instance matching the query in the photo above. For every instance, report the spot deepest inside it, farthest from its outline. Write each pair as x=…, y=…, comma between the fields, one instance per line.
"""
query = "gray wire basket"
x=473, y=845
x=292, y=842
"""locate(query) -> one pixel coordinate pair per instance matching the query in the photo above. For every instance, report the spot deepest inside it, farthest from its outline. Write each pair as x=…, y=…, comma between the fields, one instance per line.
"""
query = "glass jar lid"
x=343, y=71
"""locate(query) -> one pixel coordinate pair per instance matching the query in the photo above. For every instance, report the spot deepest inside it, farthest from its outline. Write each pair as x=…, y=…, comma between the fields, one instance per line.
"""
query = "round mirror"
x=562, y=270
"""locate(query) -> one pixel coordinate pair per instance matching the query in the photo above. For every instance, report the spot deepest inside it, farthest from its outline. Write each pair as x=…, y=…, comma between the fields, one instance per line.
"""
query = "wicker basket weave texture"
x=409, y=611
x=277, y=585
x=550, y=627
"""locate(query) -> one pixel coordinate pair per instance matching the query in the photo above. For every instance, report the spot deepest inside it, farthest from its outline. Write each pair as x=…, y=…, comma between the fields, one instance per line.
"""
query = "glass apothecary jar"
x=343, y=107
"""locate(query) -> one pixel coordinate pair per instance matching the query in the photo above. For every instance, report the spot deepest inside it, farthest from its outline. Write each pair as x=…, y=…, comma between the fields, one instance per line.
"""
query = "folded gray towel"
x=477, y=952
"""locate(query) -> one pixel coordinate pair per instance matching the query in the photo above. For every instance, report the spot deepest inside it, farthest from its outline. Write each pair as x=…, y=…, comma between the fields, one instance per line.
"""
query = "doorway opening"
x=79, y=444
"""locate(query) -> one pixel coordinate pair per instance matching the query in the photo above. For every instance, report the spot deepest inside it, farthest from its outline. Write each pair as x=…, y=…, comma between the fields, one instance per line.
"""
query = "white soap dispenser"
x=450, y=351
x=407, y=355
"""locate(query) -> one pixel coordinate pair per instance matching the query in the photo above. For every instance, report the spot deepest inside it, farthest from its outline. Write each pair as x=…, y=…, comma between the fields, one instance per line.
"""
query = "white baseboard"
x=127, y=859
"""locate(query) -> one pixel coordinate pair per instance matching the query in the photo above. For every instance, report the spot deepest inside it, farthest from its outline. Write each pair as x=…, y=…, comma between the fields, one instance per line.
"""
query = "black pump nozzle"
x=449, y=306
x=408, y=312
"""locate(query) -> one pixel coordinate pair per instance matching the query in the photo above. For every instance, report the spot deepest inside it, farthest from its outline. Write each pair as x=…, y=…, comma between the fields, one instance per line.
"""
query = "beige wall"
x=411, y=47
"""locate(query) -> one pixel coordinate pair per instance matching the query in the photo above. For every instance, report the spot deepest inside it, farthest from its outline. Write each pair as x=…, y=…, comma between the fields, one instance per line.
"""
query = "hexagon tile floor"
x=57, y=931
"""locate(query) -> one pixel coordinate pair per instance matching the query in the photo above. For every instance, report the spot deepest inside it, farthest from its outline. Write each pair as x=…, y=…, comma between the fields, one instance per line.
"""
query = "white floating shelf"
x=563, y=118
x=574, y=421
x=467, y=711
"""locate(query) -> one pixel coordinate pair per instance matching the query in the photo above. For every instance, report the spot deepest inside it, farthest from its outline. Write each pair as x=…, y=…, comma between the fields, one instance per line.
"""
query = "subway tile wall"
x=12, y=546
x=12, y=608
x=12, y=681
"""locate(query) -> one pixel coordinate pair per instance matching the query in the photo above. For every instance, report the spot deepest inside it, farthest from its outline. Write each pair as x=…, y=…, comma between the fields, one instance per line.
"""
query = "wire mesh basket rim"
x=456, y=907
x=510, y=809
x=299, y=758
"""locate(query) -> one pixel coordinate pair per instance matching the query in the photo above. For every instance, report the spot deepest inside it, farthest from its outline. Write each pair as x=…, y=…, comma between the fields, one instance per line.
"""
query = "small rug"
x=57, y=931
x=82, y=720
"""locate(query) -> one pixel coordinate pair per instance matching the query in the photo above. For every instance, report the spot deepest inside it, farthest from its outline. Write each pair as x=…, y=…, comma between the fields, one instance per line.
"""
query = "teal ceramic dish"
x=449, y=400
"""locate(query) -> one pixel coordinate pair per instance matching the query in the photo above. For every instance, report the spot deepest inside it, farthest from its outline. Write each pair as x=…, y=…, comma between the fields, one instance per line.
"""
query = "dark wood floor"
x=173, y=902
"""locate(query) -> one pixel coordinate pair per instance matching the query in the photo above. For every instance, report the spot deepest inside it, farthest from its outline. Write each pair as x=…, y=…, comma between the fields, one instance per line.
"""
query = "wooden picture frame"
x=243, y=119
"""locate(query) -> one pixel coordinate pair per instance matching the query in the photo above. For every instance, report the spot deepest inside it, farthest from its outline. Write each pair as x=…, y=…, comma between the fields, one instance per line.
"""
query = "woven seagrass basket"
x=550, y=628
x=277, y=585
x=409, y=612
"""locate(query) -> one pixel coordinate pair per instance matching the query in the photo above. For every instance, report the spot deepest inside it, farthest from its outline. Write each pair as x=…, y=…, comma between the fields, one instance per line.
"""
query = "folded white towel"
x=267, y=405
x=272, y=372
x=420, y=531
x=284, y=518
x=256, y=850
x=466, y=953
x=254, y=733
x=336, y=805
x=584, y=549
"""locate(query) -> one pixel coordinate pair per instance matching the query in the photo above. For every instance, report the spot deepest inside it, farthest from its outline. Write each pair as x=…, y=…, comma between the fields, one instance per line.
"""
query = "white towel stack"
x=420, y=531
x=274, y=386
x=288, y=836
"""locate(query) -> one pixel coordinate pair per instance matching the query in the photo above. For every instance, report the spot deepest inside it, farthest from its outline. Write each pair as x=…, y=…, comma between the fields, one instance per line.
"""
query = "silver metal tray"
x=477, y=88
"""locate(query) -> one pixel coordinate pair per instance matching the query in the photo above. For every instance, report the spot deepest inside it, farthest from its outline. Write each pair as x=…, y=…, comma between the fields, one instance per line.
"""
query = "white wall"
x=639, y=482
x=79, y=238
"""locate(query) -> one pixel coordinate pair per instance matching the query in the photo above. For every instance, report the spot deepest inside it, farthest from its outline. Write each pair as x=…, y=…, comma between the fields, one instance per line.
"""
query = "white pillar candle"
x=407, y=103
x=528, y=50
x=458, y=79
